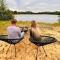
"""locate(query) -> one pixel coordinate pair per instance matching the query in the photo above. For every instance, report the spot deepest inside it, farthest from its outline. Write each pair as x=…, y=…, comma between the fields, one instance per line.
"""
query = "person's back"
x=37, y=37
x=35, y=30
x=13, y=32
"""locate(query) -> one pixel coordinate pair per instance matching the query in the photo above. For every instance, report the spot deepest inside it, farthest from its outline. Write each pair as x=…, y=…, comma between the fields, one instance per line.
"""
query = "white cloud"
x=11, y=4
x=34, y=5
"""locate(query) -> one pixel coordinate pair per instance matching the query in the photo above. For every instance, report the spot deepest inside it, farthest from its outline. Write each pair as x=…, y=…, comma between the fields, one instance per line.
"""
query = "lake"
x=37, y=17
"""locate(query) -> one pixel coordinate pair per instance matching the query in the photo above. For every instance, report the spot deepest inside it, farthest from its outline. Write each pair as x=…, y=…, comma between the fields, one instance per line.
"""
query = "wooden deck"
x=25, y=50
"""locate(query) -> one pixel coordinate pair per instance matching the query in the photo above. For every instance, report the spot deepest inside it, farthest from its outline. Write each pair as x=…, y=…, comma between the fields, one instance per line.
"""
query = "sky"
x=33, y=5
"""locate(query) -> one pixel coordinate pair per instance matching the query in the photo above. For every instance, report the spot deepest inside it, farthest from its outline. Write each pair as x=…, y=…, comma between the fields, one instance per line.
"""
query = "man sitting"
x=14, y=32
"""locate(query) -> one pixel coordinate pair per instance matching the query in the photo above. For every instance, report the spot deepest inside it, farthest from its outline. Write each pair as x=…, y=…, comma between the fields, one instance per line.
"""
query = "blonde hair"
x=33, y=24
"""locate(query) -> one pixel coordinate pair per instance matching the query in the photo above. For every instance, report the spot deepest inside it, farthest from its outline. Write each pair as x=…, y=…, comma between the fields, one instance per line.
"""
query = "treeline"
x=29, y=12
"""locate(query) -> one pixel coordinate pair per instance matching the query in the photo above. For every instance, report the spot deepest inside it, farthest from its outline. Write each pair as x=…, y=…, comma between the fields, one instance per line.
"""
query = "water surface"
x=37, y=17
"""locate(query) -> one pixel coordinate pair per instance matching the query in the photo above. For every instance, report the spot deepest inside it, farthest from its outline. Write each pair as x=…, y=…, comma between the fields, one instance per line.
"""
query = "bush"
x=6, y=15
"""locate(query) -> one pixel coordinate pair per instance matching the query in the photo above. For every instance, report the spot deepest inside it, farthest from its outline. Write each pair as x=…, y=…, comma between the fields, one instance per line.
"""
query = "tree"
x=15, y=12
x=4, y=13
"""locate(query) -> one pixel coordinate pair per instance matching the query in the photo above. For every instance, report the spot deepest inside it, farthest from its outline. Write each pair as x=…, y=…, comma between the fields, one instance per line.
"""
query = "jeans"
x=22, y=35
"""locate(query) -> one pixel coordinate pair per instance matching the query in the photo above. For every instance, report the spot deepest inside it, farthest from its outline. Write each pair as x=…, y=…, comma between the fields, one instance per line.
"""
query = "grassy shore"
x=5, y=24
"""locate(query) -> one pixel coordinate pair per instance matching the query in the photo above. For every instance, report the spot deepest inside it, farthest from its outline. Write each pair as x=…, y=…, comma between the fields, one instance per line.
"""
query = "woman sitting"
x=36, y=35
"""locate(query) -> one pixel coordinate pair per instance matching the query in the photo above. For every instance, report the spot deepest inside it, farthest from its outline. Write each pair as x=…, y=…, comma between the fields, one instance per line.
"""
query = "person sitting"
x=37, y=37
x=36, y=30
x=13, y=31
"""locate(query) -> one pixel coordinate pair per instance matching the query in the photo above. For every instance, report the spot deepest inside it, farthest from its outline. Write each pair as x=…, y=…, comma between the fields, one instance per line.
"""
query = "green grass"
x=50, y=24
x=56, y=24
x=20, y=23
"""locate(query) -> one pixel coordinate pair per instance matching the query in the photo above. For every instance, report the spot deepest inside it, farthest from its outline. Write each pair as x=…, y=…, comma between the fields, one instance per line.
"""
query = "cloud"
x=11, y=4
x=34, y=5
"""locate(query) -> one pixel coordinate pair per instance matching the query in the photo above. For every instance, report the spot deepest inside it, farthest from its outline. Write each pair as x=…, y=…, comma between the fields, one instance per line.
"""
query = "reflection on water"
x=39, y=17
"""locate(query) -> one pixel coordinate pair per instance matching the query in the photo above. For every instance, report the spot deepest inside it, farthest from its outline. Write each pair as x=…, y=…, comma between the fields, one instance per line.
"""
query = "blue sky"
x=34, y=5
